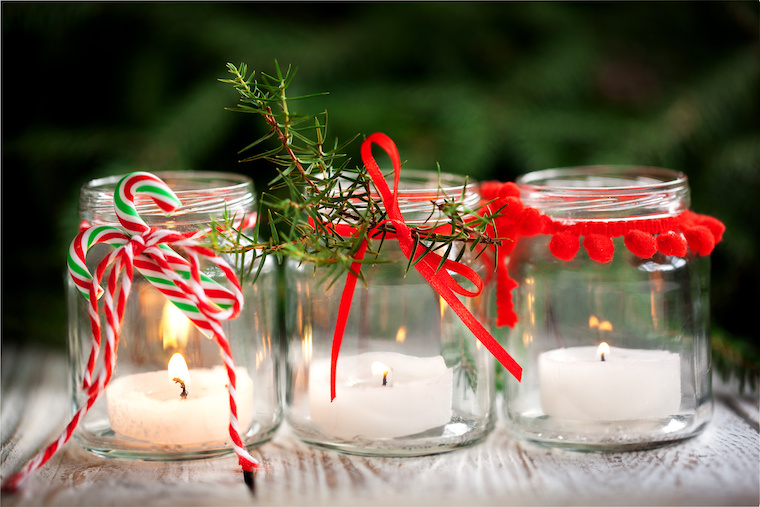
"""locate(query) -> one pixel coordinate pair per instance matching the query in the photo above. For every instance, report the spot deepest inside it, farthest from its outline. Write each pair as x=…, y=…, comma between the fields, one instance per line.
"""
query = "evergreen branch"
x=322, y=190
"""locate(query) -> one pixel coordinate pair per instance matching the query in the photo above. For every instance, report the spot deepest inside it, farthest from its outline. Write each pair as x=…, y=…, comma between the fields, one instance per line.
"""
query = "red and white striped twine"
x=139, y=246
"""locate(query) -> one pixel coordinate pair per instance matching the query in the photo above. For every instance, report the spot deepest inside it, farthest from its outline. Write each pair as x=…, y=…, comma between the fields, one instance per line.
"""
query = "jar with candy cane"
x=180, y=356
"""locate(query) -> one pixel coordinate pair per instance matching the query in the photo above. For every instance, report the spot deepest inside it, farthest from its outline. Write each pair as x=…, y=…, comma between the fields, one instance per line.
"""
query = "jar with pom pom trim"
x=611, y=305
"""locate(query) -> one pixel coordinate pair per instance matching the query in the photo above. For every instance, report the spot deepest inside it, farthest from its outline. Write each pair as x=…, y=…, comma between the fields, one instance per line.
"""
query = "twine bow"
x=427, y=263
x=136, y=245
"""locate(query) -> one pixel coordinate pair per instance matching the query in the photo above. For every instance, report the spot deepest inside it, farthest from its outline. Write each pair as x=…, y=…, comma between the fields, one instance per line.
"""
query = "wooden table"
x=719, y=467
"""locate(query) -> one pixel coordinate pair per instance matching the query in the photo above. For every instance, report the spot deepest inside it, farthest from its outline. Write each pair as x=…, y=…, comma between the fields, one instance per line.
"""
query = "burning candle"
x=178, y=406
x=149, y=407
x=381, y=395
x=609, y=383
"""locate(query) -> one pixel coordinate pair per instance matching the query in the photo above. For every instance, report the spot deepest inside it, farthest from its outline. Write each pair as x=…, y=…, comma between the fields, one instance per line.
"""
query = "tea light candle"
x=627, y=384
x=149, y=407
x=381, y=395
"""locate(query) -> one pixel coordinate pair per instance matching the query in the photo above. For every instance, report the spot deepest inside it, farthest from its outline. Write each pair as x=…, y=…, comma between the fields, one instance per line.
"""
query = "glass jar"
x=141, y=414
x=652, y=385
x=411, y=377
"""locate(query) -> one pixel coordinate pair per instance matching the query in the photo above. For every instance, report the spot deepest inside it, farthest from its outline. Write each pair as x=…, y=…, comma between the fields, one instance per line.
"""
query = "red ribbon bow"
x=427, y=264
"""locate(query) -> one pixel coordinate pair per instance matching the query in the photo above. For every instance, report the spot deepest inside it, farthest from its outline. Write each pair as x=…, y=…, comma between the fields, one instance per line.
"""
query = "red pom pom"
x=671, y=243
x=547, y=225
x=512, y=206
x=688, y=219
x=641, y=244
x=530, y=222
x=490, y=189
x=716, y=226
x=509, y=189
x=599, y=248
x=700, y=239
x=564, y=246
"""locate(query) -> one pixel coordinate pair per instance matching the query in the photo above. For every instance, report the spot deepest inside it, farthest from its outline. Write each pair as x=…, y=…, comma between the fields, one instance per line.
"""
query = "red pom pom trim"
x=489, y=190
x=509, y=189
x=564, y=246
x=642, y=237
x=530, y=222
x=640, y=243
x=671, y=243
x=716, y=227
x=700, y=240
x=599, y=248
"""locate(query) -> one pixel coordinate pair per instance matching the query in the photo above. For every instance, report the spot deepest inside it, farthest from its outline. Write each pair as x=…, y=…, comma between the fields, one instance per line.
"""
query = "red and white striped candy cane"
x=129, y=218
x=147, y=249
x=113, y=316
x=172, y=264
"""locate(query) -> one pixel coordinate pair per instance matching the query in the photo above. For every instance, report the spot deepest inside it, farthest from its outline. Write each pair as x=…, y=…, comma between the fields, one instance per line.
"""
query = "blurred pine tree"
x=488, y=89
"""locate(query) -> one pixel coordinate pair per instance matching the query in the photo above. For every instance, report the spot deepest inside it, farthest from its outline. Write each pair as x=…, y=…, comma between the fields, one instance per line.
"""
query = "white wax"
x=629, y=384
x=416, y=398
x=148, y=407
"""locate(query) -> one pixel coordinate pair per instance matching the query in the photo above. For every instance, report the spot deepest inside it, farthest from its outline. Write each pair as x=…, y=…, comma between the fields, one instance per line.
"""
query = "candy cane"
x=90, y=287
x=131, y=221
x=129, y=218
x=147, y=184
x=114, y=317
x=202, y=299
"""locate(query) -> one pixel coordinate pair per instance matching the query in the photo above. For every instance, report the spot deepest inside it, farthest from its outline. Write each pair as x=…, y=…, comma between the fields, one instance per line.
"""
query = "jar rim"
x=639, y=178
x=602, y=192
x=107, y=184
x=204, y=195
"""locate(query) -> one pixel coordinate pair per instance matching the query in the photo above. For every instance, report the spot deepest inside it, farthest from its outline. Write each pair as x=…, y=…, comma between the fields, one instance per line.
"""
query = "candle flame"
x=593, y=322
x=178, y=368
x=401, y=334
x=175, y=327
x=379, y=368
x=603, y=351
x=605, y=326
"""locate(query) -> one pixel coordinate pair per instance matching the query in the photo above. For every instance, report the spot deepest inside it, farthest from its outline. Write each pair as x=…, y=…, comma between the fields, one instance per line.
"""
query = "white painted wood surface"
x=719, y=467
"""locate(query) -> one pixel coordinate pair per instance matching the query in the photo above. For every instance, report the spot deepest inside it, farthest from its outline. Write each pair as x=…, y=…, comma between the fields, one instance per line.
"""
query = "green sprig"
x=322, y=188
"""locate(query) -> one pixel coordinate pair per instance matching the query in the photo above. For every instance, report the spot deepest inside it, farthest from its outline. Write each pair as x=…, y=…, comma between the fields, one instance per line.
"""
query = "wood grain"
x=719, y=467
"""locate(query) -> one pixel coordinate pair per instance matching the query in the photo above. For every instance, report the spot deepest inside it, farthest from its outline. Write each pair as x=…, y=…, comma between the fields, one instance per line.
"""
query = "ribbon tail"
x=343, y=311
x=480, y=332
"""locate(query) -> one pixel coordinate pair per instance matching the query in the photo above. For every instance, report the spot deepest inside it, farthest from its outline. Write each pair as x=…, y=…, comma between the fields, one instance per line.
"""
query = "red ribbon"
x=427, y=264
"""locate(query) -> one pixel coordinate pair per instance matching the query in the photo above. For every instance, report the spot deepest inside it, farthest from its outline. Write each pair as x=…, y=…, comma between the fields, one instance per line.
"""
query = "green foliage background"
x=488, y=89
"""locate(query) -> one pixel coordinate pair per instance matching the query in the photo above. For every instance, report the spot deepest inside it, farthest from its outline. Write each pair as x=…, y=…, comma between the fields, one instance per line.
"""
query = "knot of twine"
x=136, y=245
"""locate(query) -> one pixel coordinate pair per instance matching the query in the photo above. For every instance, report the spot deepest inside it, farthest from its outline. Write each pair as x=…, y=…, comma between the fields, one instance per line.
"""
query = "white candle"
x=629, y=384
x=416, y=396
x=148, y=406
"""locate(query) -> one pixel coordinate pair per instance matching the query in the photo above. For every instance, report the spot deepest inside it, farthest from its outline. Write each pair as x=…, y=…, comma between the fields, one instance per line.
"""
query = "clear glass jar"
x=141, y=414
x=411, y=377
x=653, y=385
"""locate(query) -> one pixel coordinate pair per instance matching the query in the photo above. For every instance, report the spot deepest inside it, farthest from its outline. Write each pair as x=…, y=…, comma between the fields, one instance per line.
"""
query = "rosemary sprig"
x=323, y=189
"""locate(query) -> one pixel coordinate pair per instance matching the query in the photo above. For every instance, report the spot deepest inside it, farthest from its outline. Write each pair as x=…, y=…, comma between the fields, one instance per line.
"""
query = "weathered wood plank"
x=719, y=467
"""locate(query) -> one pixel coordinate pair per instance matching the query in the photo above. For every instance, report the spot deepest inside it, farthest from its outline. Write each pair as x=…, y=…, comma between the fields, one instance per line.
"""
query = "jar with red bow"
x=384, y=361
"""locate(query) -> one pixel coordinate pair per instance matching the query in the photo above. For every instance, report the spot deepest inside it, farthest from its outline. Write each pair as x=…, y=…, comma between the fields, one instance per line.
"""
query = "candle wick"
x=183, y=394
x=602, y=356
x=385, y=378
